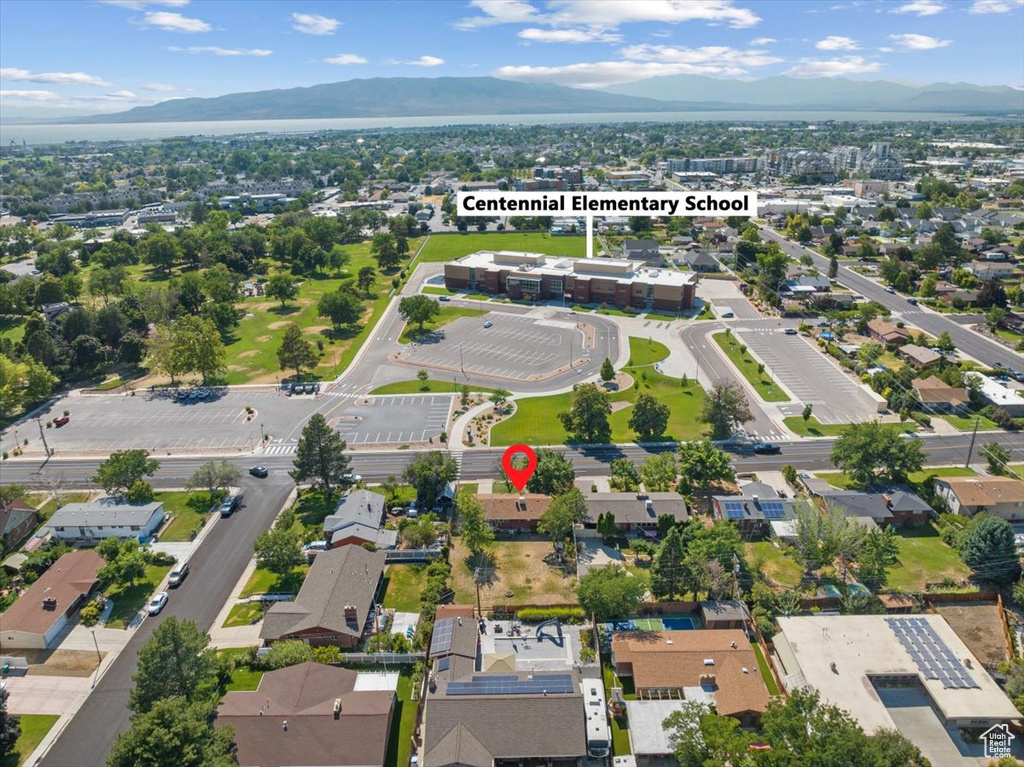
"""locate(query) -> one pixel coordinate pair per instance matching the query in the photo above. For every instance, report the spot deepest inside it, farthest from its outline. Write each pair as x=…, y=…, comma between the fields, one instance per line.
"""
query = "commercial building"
x=999, y=393
x=89, y=523
x=537, y=277
x=37, y=618
x=94, y=219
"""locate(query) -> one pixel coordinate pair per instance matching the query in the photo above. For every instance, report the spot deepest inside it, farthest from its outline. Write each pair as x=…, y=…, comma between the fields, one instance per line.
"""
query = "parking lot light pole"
x=263, y=436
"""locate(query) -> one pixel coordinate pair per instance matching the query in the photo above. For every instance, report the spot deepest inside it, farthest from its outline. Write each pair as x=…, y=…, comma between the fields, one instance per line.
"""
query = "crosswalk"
x=281, y=449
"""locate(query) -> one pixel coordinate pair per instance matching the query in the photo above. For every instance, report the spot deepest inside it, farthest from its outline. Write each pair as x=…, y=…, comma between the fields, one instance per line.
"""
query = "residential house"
x=816, y=283
x=936, y=396
x=887, y=333
x=334, y=603
x=686, y=665
x=701, y=261
x=919, y=356
x=309, y=714
x=90, y=522
x=896, y=507
x=991, y=270
x=635, y=512
x=17, y=521
x=55, y=310
x=642, y=250
x=959, y=297
x=36, y=620
x=454, y=645
x=358, y=519
x=1002, y=394
x=507, y=511
x=757, y=506
x=999, y=496
x=724, y=614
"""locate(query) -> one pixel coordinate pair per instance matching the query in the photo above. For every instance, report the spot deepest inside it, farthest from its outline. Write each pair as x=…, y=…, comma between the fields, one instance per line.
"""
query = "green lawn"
x=779, y=567
x=243, y=678
x=403, y=723
x=925, y=558
x=129, y=601
x=917, y=478
x=263, y=581
x=33, y=729
x=766, y=673
x=644, y=351
x=762, y=382
x=244, y=614
x=1009, y=335
x=435, y=386
x=812, y=427
x=620, y=728
x=447, y=247
x=413, y=332
x=1015, y=469
x=403, y=584
x=190, y=511
x=12, y=328
x=966, y=423
x=45, y=511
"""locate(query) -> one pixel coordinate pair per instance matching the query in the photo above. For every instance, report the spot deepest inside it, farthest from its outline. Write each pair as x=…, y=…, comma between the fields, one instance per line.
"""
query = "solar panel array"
x=733, y=510
x=931, y=654
x=773, y=509
x=510, y=684
x=444, y=664
x=441, y=641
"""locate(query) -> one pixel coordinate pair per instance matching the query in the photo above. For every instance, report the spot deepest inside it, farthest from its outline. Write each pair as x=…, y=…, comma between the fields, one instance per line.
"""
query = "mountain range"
x=455, y=96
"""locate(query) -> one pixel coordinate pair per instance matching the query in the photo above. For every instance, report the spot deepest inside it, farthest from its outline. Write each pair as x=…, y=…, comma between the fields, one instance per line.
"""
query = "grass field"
x=243, y=678
x=129, y=600
x=446, y=247
x=536, y=419
x=966, y=423
x=12, y=328
x=413, y=332
x=917, y=478
x=766, y=674
x=190, y=511
x=403, y=584
x=429, y=386
x=813, y=428
x=244, y=614
x=762, y=382
x=33, y=729
x=620, y=728
x=403, y=723
x=925, y=558
x=263, y=581
x=46, y=510
x=780, y=568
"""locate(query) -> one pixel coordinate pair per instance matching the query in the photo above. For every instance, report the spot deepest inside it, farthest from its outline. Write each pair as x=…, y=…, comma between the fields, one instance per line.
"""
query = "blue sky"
x=102, y=55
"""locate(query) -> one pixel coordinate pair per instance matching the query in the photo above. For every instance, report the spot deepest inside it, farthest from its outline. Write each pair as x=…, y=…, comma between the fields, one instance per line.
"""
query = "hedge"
x=537, y=614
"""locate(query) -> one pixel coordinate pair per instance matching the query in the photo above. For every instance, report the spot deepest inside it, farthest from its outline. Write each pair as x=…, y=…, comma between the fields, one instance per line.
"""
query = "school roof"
x=538, y=265
x=67, y=580
x=305, y=697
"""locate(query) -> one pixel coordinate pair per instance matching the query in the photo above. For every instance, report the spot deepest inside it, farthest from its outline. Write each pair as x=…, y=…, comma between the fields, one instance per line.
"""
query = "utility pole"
x=476, y=579
x=974, y=435
x=99, y=658
x=462, y=361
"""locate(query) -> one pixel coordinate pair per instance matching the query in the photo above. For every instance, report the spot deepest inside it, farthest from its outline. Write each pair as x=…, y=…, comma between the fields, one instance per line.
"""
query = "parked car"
x=228, y=505
x=488, y=324
x=58, y=422
x=890, y=289
x=178, y=574
x=397, y=511
x=912, y=301
x=728, y=314
x=790, y=331
x=444, y=299
x=156, y=604
x=351, y=479
x=259, y=471
x=767, y=448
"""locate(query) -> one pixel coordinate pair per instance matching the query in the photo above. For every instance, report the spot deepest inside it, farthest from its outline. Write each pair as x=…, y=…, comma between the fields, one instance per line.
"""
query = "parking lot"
x=394, y=420
x=515, y=347
x=811, y=376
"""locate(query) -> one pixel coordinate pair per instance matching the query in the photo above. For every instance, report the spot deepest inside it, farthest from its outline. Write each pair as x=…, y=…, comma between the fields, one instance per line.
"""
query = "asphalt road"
x=216, y=567
x=967, y=341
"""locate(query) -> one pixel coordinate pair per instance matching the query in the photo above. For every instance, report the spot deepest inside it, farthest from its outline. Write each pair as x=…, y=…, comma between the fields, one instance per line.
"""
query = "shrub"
x=90, y=614
x=789, y=472
x=537, y=614
x=162, y=558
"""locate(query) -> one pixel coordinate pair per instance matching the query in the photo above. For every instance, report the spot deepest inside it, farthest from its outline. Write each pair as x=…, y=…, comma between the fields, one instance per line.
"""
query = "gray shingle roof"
x=629, y=508
x=105, y=512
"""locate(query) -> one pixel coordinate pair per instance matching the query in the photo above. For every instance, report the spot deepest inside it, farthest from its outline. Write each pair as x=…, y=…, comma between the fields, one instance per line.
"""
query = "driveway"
x=34, y=694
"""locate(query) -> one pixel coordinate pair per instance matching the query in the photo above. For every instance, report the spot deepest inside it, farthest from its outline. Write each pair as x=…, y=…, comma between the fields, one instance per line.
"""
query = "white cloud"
x=763, y=41
x=52, y=78
x=218, y=51
x=161, y=87
x=910, y=42
x=138, y=5
x=995, y=6
x=836, y=43
x=845, y=65
x=533, y=34
x=426, y=61
x=643, y=61
x=173, y=22
x=33, y=96
x=886, y=49
x=313, y=24
x=345, y=59
x=499, y=12
x=921, y=7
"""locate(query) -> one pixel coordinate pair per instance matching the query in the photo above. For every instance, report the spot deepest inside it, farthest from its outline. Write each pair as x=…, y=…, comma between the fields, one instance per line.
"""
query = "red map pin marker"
x=519, y=477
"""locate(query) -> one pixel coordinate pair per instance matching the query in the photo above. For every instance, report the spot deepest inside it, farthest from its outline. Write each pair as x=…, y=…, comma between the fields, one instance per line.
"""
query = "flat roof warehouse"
x=583, y=203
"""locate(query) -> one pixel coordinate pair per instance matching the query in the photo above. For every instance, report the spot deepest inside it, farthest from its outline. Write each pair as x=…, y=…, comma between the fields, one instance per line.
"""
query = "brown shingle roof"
x=676, y=659
x=934, y=390
x=68, y=579
x=888, y=331
x=985, y=491
x=304, y=696
x=922, y=355
x=505, y=506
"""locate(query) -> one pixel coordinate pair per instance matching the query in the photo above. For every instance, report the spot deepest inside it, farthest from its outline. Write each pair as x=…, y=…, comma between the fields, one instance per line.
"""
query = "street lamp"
x=263, y=436
x=99, y=658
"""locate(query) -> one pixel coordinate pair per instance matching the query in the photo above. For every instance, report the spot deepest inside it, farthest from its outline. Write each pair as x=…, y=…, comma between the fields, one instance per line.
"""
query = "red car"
x=58, y=422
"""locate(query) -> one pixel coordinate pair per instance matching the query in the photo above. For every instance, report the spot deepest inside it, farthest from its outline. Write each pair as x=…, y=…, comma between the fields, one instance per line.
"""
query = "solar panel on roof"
x=444, y=664
x=441, y=641
x=930, y=653
x=773, y=509
x=510, y=684
x=733, y=510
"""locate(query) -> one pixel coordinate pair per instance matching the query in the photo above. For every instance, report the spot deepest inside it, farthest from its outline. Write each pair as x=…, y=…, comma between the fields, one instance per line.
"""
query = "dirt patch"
x=617, y=406
x=516, y=566
x=78, y=663
x=261, y=306
x=263, y=339
x=316, y=328
x=250, y=353
x=278, y=325
x=980, y=627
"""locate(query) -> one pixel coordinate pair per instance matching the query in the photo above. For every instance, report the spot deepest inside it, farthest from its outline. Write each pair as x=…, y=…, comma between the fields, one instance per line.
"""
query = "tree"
x=554, y=474
x=295, y=352
x=175, y=662
x=279, y=549
x=611, y=592
x=341, y=307
x=819, y=534
x=833, y=268
x=945, y=342
x=879, y=552
x=164, y=354
x=649, y=418
x=476, y=532
x=282, y=287
x=499, y=399
x=384, y=247
x=161, y=250
x=419, y=533
x=988, y=549
x=22, y=382
x=366, y=278
x=127, y=567
x=865, y=449
x=565, y=512
x=659, y=472
x=808, y=411
x=10, y=727
x=320, y=458
x=670, y=576
x=701, y=737
x=215, y=475
x=123, y=469
x=771, y=265
x=586, y=420
x=174, y=733
x=997, y=456
x=725, y=409
x=607, y=370
x=429, y=473
x=701, y=464
x=870, y=352
x=198, y=346
x=420, y=309
x=624, y=475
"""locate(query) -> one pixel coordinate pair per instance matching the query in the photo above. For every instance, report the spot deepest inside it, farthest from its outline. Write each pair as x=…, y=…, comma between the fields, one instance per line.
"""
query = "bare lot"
x=518, y=566
x=979, y=626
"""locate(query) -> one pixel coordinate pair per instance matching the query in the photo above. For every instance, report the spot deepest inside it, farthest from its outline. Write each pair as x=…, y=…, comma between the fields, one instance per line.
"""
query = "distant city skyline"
x=109, y=55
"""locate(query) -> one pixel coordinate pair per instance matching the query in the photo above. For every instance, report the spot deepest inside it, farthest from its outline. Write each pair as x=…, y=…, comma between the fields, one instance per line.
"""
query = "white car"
x=156, y=604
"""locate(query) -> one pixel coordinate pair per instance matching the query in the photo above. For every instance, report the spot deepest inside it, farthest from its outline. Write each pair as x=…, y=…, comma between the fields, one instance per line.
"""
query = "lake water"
x=58, y=134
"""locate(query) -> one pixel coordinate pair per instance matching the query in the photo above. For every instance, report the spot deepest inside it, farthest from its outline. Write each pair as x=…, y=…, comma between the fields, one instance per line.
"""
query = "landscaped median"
x=414, y=332
x=737, y=353
x=814, y=428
